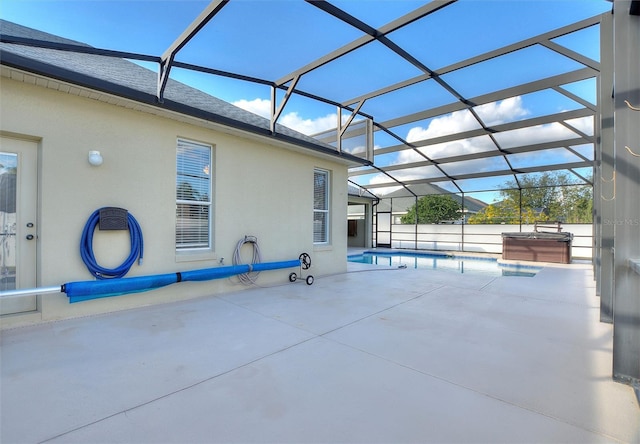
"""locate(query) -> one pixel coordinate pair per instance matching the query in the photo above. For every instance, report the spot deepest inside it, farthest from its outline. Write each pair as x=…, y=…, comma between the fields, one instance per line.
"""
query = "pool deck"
x=375, y=355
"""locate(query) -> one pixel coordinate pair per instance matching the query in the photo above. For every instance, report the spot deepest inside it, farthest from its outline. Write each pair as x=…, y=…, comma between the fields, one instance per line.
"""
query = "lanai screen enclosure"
x=462, y=98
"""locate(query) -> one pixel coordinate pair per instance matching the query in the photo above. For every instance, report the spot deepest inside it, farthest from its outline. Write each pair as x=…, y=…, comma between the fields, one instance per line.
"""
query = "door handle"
x=29, y=236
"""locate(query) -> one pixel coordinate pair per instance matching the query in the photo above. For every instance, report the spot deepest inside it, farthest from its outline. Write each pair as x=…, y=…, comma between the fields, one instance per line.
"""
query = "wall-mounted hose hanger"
x=250, y=277
x=111, y=218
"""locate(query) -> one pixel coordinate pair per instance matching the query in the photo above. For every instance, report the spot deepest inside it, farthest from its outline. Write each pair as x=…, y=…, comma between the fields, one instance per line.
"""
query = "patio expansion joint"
x=312, y=337
x=174, y=392
x=316, y=335
x=482, y=393
x=380, y=311
x=462, y=386
x=487, y=284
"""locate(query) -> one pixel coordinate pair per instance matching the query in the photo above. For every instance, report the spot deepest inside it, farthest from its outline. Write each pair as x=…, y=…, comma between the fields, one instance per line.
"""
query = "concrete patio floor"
x=379, y=356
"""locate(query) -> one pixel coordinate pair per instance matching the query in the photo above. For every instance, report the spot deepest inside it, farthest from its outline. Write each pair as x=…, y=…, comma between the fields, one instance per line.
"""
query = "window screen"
x=320, y=206
x=193, y=196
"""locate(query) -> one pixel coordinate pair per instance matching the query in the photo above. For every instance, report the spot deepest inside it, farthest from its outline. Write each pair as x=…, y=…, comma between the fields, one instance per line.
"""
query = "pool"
x=444, y=262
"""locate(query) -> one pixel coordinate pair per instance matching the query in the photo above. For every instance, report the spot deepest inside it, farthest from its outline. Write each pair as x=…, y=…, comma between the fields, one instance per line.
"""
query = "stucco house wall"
x=262, y=187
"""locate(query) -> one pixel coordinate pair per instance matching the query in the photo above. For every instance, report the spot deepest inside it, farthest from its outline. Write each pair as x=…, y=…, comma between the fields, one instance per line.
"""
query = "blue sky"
x=270, y=38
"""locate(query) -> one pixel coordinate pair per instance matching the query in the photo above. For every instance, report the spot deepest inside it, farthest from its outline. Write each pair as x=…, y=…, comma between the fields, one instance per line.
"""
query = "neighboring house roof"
x=126, y=79
x=471, y=204
x=357, y=191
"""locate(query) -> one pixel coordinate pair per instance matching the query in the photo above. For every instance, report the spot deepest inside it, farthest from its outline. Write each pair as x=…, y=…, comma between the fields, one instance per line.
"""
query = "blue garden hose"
x=86, y=248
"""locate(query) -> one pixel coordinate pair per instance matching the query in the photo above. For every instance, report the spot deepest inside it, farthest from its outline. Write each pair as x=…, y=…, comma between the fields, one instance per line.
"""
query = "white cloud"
x=496, y=113
x=584, y=124
x=308, y=126
x=533, y=135
x=507, y=110
x=262, y=107
x=455, y=122
x=448, y=149
x=459, y=121
x=429, y=171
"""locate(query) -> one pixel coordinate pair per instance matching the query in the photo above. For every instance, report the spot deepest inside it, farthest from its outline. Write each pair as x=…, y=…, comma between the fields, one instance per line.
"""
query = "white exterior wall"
x=260, y=189
x=479, y=238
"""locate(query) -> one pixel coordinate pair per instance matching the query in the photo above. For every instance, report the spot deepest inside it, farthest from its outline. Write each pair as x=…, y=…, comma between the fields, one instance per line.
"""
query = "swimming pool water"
x=443, y=262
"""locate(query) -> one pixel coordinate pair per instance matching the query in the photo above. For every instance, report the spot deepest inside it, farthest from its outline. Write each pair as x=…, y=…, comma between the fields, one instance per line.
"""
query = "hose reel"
x=305, y=264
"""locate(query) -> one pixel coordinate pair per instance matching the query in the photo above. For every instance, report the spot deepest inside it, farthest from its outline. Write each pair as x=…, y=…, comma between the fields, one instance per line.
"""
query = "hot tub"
x=537, y=246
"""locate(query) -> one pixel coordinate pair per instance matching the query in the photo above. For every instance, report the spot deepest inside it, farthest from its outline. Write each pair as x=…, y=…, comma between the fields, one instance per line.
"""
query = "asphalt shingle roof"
x=127, y=79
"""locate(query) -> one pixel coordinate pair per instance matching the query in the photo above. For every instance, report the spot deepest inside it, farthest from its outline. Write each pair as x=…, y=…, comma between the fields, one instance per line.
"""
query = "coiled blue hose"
x=86, y=248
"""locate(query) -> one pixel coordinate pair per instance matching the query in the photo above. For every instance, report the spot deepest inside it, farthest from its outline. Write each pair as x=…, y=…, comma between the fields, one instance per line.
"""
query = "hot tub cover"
x=561, y=237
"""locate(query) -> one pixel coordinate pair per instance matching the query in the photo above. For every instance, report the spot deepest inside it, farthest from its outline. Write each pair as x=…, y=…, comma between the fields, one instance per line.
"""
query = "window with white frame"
x=193, y=196
x=321, y=206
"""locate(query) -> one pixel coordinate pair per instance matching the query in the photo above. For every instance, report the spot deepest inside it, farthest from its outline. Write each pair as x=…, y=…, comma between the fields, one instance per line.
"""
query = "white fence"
x=479, y=238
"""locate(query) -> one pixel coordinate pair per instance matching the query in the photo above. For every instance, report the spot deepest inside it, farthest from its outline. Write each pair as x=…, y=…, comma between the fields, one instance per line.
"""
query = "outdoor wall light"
x=95, y=158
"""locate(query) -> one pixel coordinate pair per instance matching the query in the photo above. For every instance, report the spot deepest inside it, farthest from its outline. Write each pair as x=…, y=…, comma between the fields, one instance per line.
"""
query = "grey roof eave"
x=37, y=67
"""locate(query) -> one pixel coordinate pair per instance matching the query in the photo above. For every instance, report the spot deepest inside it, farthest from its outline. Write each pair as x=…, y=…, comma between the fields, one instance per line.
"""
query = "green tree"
x=577, y=204
x=548, y=196
x=538, y=193
x=432, y=209
x=504, y=212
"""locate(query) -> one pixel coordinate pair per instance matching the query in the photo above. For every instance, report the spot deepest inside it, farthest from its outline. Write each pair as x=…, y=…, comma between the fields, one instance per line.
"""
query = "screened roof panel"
x=585, y=150
x=408, y=100
x=355, y=145
x=304, y=114
x=219, y=86
x=408, y=158
x=583, y=124
x=585, y=41
x=475, y=166
x=561, y=176
x=275, y=37
x=585, y=89
x=382, y=140
x=443, y=125
x=485, y=197
x=377, y=13
x=460, y=147
x=526, y=106
x=507, y=110
x=586, y=173
x=470, y=27
x=443, y=81
x=432, y=188
x=488, y=183
x=385, y=191
x=510, y=70
x=371, y=67
x=384, y=160
x=542, y=158
x=446, y=185
x=552, y=132
x=94, y=22
x=372, y=179
x=422, y=172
